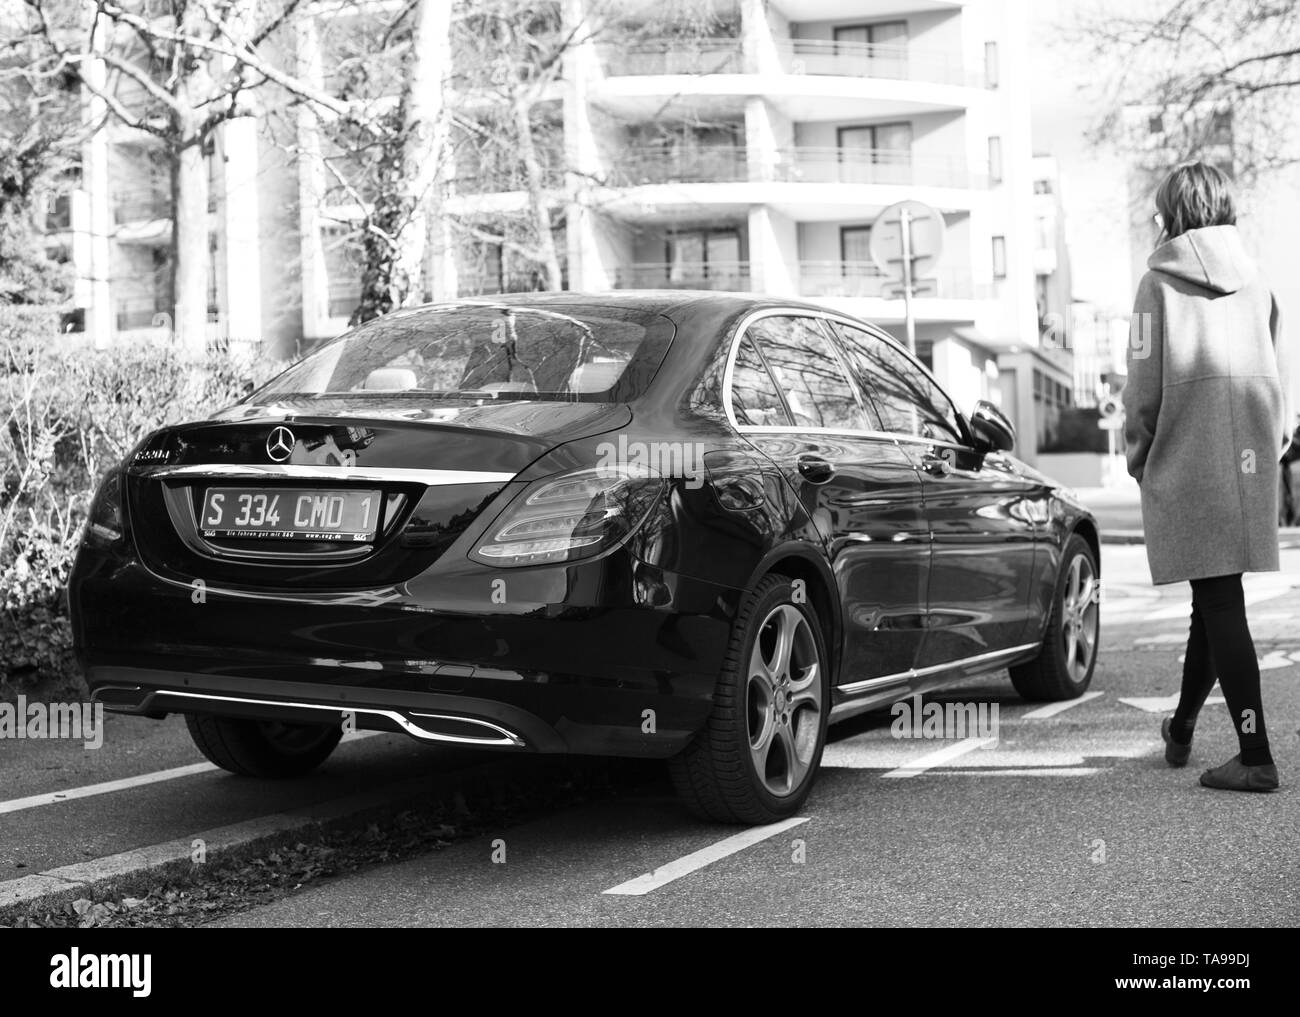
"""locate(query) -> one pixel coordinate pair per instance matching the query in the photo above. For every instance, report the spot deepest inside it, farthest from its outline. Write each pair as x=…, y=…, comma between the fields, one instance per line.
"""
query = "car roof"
x=671, y=303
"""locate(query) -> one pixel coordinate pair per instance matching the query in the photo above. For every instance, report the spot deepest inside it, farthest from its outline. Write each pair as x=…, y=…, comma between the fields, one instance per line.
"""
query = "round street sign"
x=926, y=242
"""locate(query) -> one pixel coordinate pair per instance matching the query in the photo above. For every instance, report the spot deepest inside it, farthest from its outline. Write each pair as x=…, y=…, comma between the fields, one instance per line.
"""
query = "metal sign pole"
x=905, y=234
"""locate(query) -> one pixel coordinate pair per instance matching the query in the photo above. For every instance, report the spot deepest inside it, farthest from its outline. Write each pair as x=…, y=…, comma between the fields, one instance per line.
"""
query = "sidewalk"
x=1119, y=514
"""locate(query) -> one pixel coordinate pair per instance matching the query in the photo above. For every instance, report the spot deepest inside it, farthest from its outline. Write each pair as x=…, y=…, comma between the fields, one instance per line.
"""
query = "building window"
x=855, y=244
x=882, y=33
x=703, y=254
x=1156, y=124
x=995, y=160
x=875, y=154
x=999, y=257
x=882, y=47
x=991, y=64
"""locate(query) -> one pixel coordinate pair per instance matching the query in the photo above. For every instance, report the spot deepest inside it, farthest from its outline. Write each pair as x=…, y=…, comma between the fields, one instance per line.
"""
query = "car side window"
x=904, y=396
x=809, y=373
x=754, y=398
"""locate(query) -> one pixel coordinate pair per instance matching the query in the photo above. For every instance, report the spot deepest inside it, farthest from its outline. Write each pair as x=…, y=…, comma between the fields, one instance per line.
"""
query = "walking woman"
x=1207, y=419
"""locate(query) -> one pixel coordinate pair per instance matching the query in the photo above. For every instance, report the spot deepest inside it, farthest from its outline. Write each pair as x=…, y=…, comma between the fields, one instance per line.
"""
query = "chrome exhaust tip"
x=429, y=727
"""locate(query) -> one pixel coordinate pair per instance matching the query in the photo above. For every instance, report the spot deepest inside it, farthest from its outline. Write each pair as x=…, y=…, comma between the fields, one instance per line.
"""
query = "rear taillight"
x=573, y=516
x=104, y=524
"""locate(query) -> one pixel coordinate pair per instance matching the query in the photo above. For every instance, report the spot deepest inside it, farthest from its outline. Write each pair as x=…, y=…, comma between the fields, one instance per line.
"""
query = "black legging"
x=1219, y=643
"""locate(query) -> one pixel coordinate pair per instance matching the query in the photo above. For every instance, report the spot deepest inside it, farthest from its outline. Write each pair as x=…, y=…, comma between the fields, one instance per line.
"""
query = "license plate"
x=290, y=514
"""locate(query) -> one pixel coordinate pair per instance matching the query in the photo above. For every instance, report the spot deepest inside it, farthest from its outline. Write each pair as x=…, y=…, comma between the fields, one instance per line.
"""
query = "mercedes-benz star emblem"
x=279, y=444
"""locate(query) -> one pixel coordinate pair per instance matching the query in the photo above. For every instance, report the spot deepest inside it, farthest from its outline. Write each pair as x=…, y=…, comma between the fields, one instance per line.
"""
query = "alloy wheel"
x=1079, y=617
x=784, y=700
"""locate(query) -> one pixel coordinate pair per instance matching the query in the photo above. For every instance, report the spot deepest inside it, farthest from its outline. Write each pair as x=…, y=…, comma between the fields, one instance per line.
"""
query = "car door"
x=982, y=515
x=791, y=396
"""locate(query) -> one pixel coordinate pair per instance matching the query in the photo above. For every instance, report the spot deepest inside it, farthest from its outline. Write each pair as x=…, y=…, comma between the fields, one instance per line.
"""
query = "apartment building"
x=752, y=157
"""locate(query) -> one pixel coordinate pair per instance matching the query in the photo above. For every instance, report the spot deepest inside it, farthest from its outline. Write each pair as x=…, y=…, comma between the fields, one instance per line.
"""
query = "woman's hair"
x=1194, y=194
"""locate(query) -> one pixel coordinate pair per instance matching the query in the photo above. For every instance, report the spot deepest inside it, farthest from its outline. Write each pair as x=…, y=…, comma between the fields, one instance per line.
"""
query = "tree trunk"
x=190, y=250
x=538, y=198
x=422, y=141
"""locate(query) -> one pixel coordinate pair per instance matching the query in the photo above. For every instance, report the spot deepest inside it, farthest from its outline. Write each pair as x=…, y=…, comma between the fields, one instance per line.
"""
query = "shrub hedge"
x=68, y=414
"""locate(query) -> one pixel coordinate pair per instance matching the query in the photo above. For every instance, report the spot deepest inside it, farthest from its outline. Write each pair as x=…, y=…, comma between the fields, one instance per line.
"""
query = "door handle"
x=938, y=464
x=815, y=469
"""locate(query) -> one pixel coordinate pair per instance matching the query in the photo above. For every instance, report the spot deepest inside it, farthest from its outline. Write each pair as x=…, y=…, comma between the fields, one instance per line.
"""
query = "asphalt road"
x=1068, y=819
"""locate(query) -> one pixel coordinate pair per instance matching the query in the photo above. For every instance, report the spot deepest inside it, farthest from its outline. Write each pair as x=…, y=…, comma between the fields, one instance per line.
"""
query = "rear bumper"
x=607, y=658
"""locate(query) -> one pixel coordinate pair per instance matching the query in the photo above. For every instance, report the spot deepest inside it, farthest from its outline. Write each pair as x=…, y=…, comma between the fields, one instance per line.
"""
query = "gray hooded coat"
x=1206, y=408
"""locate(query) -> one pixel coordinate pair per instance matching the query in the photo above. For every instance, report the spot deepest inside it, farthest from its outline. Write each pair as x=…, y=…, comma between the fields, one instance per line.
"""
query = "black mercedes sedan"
x=693, y=526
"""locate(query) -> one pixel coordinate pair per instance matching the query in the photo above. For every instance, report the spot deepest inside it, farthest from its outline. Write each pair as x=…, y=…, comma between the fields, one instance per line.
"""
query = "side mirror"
x=991, y=428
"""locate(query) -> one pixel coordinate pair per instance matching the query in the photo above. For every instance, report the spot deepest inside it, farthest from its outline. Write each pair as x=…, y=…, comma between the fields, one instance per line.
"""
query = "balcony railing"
x=144, y=312
x=864, y=279
x=675, y=56
x=871, y=60
x=872, y=166
x=797, y=56
x=476, y=284
x=703, y=164
x=140, y=206
x=730, y=164
x=713, y=275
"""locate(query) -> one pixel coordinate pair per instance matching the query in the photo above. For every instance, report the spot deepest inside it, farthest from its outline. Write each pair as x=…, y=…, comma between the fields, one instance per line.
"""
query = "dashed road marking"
x=696, y=860
x=1161, y=704
x=124, y=863
x=109, y=787
x=1058, y=771
x=1052, y=709
x=105, y=788
x=939, y=757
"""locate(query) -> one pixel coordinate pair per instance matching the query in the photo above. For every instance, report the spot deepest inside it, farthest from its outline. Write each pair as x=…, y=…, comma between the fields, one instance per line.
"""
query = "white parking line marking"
x=933, y=759
x=1256, y=592
x=108, y=787
x=125, y=863
x=1162, y=704
x=1052, y=709
x=1064, y=771
x=684, y=866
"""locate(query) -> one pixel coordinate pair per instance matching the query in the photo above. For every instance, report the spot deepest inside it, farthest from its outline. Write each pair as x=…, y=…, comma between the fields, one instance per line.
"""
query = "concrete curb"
x=83, y=876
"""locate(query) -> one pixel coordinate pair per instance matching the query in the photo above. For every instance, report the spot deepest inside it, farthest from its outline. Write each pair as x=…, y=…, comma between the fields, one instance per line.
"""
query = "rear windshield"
x=486, y=351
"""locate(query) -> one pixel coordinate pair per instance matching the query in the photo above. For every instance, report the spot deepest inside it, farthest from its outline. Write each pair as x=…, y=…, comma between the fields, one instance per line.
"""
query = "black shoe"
x=1176, y=753
x=1234, y=775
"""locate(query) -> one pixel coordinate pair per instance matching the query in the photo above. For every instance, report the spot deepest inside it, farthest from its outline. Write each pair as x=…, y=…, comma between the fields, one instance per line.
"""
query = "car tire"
x=258, y=748
x=1064, y=666
x=756, y=758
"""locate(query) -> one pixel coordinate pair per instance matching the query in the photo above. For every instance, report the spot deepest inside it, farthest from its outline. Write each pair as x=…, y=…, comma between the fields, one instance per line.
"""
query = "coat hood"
x=1212, y=257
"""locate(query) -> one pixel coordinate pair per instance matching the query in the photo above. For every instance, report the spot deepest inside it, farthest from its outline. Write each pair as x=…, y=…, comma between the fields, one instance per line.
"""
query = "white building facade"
x=755, y=158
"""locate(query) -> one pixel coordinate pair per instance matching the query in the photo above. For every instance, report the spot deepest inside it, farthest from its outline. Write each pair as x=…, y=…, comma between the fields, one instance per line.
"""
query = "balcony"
x=675, y=56
x=796, y=56
x=873, y=166
x=868, y=60
x=713, y=275
x=711, y=164
x=479, y=284
x=143, y=312
x=140, y=206
x=730, y=164
x=862, y=279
